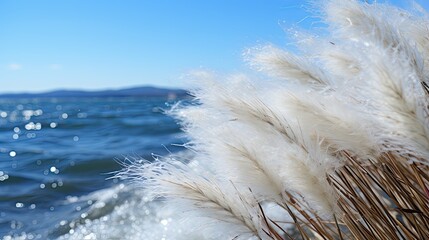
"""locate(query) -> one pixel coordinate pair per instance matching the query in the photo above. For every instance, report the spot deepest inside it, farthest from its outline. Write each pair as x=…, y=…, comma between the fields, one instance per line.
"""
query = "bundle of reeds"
x=331, y=144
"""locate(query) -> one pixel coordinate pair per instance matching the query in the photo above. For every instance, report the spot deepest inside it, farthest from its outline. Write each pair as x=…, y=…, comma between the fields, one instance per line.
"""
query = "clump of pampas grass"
x=330, y=144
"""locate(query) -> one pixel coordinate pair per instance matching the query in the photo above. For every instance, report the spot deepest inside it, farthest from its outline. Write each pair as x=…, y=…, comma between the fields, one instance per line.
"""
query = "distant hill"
x=128, y=92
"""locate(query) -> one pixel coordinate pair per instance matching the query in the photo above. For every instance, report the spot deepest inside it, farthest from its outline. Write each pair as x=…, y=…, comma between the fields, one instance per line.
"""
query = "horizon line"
x=91, y=89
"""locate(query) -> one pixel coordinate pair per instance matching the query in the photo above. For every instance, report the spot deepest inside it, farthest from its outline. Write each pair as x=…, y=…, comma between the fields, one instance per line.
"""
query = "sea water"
x=57, y=157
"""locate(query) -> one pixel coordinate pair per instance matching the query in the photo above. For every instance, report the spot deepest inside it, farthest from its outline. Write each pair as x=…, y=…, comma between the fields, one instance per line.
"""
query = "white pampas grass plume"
x=291, y=162
x=216, y=208
x=336, y=126
x=392, y=81
x=284, y=65
x=336, y=141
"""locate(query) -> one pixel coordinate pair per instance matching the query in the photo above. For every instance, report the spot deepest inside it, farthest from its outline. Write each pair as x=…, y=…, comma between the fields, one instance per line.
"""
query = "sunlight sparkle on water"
x=31, y=135
x=33, y=126
x=29, y=113
x=29, y=126
x=3, y=176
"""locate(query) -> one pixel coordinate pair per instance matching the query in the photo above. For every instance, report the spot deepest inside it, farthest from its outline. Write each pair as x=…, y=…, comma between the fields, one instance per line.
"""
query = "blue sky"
x=99, y=44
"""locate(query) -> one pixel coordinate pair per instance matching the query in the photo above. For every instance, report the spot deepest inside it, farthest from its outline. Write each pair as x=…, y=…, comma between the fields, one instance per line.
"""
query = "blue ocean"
x=58, y=158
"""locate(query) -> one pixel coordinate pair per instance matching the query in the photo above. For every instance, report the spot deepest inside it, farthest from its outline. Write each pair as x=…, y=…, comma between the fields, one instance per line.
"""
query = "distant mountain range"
x=128, y=92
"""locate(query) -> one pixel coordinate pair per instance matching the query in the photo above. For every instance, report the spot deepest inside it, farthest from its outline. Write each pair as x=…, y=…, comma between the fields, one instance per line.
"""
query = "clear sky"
x=99, y=44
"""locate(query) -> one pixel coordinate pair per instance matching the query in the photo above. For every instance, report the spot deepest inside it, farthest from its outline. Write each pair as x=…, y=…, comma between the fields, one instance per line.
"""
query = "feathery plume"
x=329, y=145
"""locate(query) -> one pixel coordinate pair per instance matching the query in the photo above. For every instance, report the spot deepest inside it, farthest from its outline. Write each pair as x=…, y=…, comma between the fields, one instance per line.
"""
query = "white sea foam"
x=121, y=212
